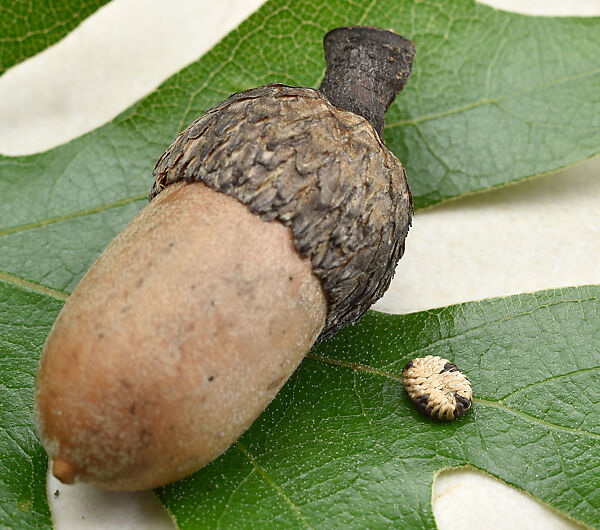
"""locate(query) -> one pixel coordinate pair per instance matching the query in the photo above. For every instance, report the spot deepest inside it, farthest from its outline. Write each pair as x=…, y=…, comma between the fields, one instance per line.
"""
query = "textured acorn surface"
x=290, y=155
x=437, y=387
x=174, y=341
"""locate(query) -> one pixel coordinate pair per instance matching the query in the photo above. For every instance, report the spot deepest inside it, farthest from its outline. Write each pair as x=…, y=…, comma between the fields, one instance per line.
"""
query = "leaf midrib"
x=488, y=100
x=74, y=215
x=30, y=286
x=481, y=401
x=549, y=379
x=51, y=293
x=55, y=294
x=273, y=484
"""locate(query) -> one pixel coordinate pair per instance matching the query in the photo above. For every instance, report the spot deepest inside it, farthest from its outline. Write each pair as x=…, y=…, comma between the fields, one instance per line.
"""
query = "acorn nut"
x=275, y=219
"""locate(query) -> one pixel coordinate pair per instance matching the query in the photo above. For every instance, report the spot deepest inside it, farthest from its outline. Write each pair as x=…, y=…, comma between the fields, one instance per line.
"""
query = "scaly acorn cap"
x=290, y=155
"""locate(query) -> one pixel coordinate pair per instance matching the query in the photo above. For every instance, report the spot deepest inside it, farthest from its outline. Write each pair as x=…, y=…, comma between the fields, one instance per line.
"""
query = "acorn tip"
x=63, y=471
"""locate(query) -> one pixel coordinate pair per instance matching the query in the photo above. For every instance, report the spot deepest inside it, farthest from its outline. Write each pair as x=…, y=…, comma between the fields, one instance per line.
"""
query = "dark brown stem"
x=366, y=68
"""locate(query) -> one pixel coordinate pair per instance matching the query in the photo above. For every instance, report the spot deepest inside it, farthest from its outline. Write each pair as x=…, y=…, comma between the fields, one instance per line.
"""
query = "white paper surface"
x=534, y=235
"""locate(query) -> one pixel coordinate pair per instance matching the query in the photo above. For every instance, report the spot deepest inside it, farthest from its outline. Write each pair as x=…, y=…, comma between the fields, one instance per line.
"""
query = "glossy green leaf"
x=29, y=26
x=342, y=446
x=25, y=320
x=495, y=97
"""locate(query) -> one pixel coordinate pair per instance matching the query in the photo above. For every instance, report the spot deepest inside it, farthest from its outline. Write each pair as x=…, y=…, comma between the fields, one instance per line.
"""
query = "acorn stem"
x=366, y=68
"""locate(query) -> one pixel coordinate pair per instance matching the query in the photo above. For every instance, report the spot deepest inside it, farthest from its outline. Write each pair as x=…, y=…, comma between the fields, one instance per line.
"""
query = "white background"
x=534, y=235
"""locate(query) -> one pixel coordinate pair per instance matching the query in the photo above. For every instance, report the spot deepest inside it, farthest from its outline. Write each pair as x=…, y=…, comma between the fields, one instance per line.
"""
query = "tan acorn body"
x=229, y=309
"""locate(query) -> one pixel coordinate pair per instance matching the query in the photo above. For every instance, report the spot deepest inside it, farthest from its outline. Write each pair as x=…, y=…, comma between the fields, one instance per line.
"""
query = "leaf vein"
x=74, y=215
x=273, y=484
x=375, y=371
x=238, y=486
x=552, y=378
x=534, y=419
x=488, y=101
x=41, y=289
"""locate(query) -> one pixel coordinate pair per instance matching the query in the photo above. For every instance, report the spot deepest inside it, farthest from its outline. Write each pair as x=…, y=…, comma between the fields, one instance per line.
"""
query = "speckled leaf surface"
x=29, y=26
x=342, y=446
x=25, y=320
x=495, y=97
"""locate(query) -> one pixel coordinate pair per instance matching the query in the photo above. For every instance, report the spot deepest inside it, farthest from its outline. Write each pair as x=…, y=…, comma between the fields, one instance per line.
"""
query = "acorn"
x=275, y=219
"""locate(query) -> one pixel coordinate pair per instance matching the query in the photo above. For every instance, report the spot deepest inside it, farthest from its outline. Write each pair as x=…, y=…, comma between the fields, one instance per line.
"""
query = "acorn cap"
x=290, y=155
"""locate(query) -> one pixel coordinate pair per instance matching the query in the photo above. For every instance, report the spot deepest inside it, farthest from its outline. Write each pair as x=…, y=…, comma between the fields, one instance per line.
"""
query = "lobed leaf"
x=25, y=320
x=29, y=26
x=495, y=97
x=342, y=446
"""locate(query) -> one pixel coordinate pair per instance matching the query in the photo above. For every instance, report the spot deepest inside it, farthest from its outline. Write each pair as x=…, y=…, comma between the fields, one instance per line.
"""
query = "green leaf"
x=342, y=446
x=29, y=26
x=25, y=320
x=495, y=97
